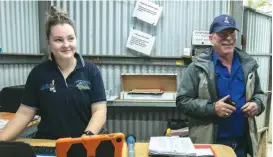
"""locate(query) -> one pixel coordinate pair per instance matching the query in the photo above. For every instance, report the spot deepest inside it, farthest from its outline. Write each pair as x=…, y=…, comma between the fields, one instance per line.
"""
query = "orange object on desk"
x=91, y=144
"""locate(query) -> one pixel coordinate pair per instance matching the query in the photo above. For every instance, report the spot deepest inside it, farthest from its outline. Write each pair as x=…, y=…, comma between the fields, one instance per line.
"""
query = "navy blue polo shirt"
x=234, y=85
x=64, y=104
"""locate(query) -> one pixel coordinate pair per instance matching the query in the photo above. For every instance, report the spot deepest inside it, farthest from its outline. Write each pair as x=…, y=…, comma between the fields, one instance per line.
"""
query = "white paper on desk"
x=3, y=123
x=173, y=146
x=203, y=152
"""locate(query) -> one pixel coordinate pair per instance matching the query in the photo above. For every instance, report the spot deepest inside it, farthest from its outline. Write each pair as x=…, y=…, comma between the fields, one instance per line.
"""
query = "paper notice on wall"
x=147, y=11
x=200, y=37
x=140, y=41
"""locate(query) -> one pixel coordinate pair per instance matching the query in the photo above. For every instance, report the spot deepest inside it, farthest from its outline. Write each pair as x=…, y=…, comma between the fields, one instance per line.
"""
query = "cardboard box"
x=148, y=86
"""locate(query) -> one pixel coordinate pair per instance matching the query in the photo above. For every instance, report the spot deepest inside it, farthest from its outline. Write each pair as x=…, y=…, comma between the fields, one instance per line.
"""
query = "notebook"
x=171, y=146
x=176, y=146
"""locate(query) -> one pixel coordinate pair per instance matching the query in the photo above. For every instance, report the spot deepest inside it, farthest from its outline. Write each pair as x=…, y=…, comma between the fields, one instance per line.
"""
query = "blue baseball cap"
x=222, y=22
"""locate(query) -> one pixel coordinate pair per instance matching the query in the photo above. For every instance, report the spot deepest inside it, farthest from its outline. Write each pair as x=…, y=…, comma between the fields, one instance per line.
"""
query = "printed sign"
x=140, y=41
x=147, y=11
x=200, y=37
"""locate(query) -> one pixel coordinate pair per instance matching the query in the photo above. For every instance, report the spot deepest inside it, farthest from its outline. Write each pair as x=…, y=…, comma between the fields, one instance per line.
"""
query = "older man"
x=220, y=92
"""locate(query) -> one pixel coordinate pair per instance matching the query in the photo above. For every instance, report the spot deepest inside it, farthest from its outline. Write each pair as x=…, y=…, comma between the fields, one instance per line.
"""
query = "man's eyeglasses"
x=226, y=34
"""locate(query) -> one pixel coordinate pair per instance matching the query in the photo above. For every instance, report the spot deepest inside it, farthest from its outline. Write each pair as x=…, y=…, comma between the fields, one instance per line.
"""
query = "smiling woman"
x=68, y=91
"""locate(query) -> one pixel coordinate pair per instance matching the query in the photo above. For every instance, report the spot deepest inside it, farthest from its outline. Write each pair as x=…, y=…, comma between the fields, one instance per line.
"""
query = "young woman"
x=67, y=91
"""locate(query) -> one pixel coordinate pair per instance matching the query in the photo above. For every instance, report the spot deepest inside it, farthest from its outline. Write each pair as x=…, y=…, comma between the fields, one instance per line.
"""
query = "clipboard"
x=109, y=145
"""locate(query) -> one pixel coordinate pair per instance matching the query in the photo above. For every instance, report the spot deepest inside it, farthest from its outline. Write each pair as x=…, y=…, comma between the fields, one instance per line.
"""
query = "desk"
x=141, y=149
x=31, y=128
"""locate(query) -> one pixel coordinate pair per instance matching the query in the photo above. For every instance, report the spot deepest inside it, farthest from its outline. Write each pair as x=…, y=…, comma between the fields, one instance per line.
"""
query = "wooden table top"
x=8, y=116
x=141, y=149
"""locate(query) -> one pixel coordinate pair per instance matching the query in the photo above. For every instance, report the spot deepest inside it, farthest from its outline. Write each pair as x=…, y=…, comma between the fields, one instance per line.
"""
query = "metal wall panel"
x=258, y=32
x=143, y=122
x=19, y=29
x=103, y=26
x=14, y=74
x=263, y=70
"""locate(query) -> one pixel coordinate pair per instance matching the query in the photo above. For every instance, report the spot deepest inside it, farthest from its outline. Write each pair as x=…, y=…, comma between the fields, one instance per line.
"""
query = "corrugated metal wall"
x=103, y=26
x=19, y=28
x=257, y=31
x=264, y=63
x=143, y=122
x=14, y=74
x=258, y=34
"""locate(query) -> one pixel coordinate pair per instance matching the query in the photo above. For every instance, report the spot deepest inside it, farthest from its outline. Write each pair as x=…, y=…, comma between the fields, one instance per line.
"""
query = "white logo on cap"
x=226, y=20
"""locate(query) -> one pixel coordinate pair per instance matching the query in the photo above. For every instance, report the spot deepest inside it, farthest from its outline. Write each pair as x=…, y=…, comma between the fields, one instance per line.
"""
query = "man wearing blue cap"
x=221, y=94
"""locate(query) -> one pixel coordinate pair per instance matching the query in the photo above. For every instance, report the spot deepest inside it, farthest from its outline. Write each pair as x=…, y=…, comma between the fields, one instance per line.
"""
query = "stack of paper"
x=171, y=146
x=204, y=152
x=3, y=123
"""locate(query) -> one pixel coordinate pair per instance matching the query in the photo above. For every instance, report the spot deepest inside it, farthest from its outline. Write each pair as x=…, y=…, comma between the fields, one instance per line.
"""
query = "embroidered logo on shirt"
x=83, y=85
x=50, y=86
